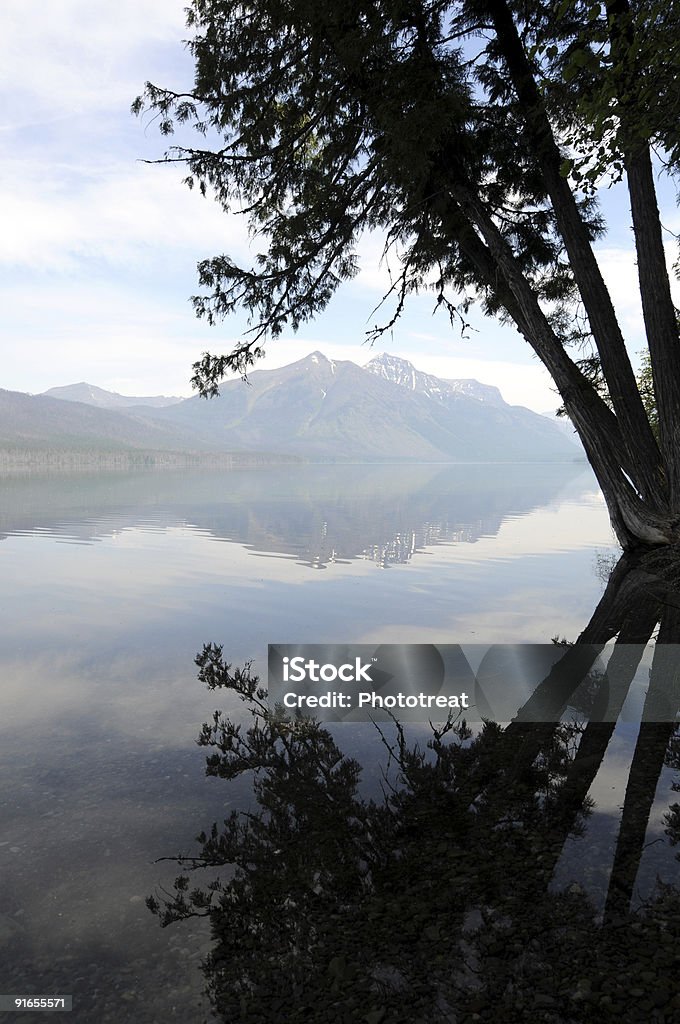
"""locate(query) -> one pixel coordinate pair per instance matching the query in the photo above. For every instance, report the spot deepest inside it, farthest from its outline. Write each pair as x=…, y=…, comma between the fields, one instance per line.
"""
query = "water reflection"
x=110, y=583
x=438, y=900
x=319, y=515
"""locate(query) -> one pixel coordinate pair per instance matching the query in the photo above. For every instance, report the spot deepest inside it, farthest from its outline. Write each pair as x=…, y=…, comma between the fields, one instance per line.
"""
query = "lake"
x=110, y=585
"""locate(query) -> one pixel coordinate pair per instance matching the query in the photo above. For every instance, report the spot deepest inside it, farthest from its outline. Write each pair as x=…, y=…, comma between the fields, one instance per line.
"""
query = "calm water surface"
x=110, y=584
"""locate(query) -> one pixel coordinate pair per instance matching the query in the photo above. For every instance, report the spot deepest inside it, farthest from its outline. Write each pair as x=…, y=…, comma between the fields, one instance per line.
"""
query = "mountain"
x=91, y=395
x=400, y=371
x=316, y=409
x=321, y=408
x=41, y=422
x=564, y=425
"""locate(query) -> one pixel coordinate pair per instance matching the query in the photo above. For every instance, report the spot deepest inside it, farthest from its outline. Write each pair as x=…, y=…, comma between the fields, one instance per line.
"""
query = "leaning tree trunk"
x=658, y=309
x=640, y=513
x=640, y=478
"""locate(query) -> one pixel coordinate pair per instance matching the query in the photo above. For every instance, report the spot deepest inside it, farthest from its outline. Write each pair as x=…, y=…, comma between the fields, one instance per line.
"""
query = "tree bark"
x=659, y=313
x=637, y=520
x=658, y=309
x=649, y=476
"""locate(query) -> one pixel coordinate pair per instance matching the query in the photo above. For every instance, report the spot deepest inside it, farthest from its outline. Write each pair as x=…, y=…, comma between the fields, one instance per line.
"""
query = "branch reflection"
x=434, y=898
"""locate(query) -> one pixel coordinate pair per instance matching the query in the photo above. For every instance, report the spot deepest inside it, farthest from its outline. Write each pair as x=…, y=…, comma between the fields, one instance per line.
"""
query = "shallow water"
x=110, y=584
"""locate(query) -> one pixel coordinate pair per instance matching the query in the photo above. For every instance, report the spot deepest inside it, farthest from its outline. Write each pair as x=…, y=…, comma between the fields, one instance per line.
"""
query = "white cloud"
x=619, y=270
x=120, y=213
x=99, y=250
x=66, y=57
x=379, y=271
x=71, y=198
x=100, y=331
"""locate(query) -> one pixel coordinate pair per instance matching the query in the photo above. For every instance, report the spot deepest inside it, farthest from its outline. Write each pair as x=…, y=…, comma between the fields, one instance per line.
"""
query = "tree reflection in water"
x=434, y=903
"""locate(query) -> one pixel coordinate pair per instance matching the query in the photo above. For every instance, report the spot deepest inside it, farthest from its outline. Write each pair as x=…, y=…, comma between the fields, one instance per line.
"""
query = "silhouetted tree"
x=464, y=132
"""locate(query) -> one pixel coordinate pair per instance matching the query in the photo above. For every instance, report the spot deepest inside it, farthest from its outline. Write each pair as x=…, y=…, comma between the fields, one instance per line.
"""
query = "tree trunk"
x=638, y=520
x=655, y=291
x=649, y=477
x=658, y=312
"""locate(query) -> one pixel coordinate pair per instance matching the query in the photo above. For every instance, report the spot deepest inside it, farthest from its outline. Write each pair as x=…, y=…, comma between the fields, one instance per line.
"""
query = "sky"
x=98, y=249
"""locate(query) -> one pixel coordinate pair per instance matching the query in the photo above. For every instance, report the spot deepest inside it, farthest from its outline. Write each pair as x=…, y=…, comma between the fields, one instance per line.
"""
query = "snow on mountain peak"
x=402, y=372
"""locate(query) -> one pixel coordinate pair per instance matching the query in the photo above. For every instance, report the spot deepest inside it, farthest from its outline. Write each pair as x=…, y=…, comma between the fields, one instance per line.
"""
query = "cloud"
x=71, y=56
x=98, y=250
x=118, y=214
x=73, y=202
x=619, y=270
x=102, y=331
x=379, y=271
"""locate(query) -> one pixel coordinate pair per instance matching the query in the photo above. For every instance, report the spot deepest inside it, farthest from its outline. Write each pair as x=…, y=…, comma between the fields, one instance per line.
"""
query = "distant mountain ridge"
x=90, y=394
x=323, y=408
x=38, y=420
x=316, y=409
x=401, y=371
